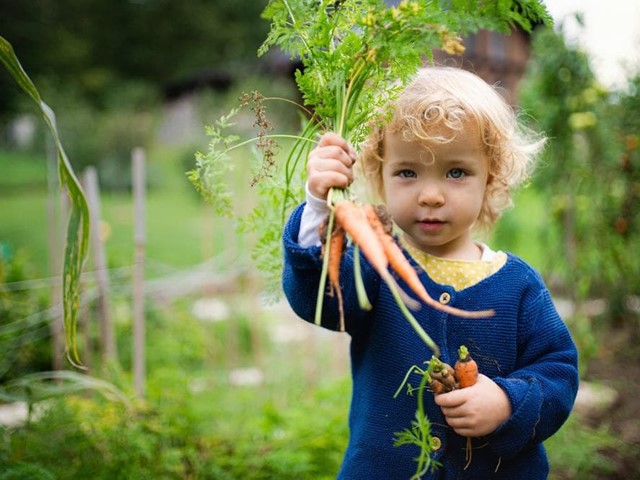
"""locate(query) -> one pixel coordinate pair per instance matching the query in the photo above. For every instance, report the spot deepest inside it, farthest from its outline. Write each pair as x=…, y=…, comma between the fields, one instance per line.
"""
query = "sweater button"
x=436, y=443
x=445, y=298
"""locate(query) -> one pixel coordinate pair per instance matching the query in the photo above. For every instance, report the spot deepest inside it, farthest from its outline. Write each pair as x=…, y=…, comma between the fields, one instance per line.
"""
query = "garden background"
x=234, y=385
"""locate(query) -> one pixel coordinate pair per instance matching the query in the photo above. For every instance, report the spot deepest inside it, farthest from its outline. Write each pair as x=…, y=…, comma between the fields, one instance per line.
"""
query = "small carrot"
x=404, y=269
x=443, y=373
x=466, y=368
x=335, y=256
x=436, y=386
x=466, y=371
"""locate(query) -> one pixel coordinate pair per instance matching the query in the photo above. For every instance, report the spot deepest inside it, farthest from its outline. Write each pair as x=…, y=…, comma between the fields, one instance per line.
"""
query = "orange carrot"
x=404, y=269
x=335, y=256
x=353, y=219
x=466, y=368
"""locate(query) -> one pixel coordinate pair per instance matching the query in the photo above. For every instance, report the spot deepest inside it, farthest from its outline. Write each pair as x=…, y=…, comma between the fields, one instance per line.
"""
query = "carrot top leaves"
x=356, y=54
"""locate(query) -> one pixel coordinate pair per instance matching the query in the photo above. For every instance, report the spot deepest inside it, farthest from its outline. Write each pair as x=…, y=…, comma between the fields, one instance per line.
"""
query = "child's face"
x=435, y=194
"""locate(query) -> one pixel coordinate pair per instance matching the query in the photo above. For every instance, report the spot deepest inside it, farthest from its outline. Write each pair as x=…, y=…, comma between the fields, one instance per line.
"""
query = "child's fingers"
x=326, y=174
x=335, y=140
x=330, y=165
x=451, y=399
x=319, y=186
x=331, y=152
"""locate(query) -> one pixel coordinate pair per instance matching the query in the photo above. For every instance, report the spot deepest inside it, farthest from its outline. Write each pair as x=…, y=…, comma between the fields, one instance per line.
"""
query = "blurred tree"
x=92, y=45
x=589, y=176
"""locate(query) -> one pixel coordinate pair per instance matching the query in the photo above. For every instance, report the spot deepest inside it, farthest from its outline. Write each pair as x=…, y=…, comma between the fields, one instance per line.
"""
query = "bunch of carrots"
x=439, y=377
x=445, y=378
x=370, y=229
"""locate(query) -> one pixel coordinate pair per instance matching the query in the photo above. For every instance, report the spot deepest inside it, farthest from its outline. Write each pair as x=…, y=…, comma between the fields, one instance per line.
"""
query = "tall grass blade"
x=78, y=227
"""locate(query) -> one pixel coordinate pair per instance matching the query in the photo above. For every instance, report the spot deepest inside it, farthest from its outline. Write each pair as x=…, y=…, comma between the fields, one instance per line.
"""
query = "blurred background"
x=234, y=385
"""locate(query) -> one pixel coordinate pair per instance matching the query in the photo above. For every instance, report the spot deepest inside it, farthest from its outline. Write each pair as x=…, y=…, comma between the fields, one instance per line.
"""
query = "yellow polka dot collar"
x=459, y=274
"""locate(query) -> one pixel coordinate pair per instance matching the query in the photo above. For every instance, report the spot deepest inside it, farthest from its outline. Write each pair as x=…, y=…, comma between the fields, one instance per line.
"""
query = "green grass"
x=519, y=228
x=579, y=451
x=180, y=231
x=22, y=171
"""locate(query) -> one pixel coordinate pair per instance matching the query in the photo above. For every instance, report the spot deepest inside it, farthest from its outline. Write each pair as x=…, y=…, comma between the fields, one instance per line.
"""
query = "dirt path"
x=624, y=418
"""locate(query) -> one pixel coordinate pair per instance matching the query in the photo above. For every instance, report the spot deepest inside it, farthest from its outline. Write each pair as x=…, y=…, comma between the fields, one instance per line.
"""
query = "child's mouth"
x=431, y=225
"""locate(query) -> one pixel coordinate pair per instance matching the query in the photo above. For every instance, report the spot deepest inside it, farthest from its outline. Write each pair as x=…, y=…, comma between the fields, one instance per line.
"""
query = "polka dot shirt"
x=459, y=274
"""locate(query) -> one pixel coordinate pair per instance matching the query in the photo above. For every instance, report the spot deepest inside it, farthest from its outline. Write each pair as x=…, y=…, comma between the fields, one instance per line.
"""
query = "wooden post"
x=55, y=205
x=107, y=337
x=139, y=373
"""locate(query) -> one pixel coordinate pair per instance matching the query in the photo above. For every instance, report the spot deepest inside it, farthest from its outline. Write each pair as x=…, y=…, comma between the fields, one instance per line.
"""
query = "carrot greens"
x=356, y=55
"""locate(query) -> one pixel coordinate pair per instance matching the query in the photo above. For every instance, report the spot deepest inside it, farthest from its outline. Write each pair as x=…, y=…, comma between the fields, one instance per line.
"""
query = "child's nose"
x=431, y=195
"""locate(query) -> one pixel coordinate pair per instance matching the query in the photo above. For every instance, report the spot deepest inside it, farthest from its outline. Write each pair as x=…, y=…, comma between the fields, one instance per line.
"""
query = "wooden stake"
x=139, y=371
x=107, y=337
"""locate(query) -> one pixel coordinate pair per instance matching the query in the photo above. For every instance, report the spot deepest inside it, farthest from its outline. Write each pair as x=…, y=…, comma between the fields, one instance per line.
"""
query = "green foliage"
x=353, y=52
x=587, y=177
x=179, y=432
x=579, y=451
x=192, y=424
x=356, y=55
x=94, y=46
x=32, y=471
x=77, y=242
x=22, y=342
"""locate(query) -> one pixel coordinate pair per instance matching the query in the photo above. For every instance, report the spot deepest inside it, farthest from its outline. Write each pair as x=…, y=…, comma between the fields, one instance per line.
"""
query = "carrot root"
x=466, y=368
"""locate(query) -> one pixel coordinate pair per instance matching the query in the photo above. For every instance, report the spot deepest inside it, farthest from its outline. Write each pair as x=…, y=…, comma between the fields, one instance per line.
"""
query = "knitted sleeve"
x=544, y=385
x=301, y=278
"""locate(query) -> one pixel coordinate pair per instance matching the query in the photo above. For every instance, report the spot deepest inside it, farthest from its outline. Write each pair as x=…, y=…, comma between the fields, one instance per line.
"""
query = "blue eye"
x=456, y=173
x=406, y=173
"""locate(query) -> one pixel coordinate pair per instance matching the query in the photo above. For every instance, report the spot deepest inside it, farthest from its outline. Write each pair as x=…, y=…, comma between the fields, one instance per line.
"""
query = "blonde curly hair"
x=438, y=103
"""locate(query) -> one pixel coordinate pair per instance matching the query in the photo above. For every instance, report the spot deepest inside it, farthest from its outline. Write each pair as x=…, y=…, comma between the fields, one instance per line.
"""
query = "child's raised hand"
x=330, y=165
x=477, y=410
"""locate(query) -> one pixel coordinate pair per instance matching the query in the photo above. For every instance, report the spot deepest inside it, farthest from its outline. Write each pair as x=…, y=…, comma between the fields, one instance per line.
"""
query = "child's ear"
x=490, y=178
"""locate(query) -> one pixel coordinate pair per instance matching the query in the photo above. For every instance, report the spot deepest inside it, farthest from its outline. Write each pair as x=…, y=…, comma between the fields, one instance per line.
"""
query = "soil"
x=614, y=358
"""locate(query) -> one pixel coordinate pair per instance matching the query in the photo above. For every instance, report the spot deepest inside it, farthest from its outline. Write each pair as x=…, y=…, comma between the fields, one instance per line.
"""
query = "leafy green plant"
x=78, y=226
x=356, y=55
x=21, y=340
x=579, y=451
x=589, y=168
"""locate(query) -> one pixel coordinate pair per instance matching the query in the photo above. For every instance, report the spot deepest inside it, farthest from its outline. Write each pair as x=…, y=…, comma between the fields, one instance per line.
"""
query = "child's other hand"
x=477, y=410
x=330, y=165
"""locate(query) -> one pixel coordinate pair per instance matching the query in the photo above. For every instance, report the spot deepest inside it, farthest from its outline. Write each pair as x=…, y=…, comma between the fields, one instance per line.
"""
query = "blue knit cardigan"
x=525, y=348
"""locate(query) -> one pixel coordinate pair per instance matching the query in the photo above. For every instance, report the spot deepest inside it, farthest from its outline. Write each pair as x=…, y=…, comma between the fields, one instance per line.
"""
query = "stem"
x=288, y=100
x=413, y=369
x=282, y=135
x=424, y=460
x=325, y=268
x=291, y=165
x=346, y=99
x=410, y=318
x=363, y=299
